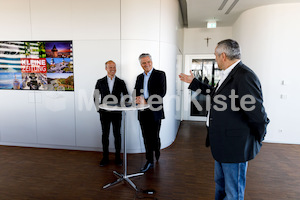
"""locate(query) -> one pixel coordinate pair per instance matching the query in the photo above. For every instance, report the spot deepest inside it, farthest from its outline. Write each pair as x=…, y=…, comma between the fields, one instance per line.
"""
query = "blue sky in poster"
x=59, y=45
x=59, y=75
x=57, y=60
x=7, y=80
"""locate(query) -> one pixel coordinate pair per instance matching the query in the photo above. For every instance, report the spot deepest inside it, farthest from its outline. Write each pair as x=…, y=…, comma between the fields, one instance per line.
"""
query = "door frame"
x=186, y=92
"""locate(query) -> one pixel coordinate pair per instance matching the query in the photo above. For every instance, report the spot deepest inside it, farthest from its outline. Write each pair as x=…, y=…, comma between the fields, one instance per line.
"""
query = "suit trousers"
x=150, y=131
x=106, y=119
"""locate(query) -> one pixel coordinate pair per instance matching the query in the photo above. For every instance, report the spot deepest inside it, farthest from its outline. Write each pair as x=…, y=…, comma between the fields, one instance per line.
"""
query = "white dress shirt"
x=111, y=83
x=146, y=79
x=224, y=73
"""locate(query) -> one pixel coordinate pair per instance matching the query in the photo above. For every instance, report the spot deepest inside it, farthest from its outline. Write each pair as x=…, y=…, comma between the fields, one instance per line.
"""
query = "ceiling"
x=196, y=13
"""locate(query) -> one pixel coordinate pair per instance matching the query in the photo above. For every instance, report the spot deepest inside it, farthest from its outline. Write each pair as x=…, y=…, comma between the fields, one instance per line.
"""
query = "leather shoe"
x=104, y=162
x=147, y=166
x=119, y=161
x=157, y=154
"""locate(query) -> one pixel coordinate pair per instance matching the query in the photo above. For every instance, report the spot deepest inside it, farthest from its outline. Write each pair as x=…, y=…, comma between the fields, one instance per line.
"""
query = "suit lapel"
x=142, y=81
x=150, y=78
x=114, y=86
x=106, y=85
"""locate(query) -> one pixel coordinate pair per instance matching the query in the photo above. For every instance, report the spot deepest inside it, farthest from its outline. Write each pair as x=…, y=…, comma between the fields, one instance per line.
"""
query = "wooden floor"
x=184, y=172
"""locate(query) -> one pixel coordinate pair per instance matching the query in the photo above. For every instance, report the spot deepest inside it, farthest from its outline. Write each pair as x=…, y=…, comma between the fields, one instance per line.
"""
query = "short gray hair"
x=230, y=47
x=143, y=55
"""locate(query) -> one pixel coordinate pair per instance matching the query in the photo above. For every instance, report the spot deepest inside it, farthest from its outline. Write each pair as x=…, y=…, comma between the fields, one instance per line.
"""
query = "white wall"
x=269, y=38
x=195, y=42
x=100, y=30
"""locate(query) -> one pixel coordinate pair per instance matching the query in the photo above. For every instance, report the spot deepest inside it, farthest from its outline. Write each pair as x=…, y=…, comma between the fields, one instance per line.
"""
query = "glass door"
x=205, y=69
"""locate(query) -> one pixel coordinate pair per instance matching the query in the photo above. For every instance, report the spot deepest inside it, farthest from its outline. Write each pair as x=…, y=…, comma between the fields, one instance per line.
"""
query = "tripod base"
x=123, y=178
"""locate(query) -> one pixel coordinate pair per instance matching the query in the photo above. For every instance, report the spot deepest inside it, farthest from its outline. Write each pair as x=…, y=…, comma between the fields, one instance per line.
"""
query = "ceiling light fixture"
x=231, y=7
x=223, y=4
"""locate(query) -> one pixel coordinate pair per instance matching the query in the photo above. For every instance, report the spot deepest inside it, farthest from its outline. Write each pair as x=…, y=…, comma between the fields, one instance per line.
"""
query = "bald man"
x=110, y=85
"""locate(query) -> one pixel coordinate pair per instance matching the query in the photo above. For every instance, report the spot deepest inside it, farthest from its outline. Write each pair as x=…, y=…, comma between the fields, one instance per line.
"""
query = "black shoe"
x=119, y=161
x=147, y=166
x=157, y=154
x=104, y=162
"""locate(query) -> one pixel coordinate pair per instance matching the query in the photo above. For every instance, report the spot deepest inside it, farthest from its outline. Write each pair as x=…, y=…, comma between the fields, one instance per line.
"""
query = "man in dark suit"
x=150, y=88
x=236, y=120
x=114, y=87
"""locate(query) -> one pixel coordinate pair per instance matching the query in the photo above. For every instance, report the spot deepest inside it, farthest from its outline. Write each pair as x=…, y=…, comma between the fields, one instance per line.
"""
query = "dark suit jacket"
x=235, y=136
x=119, y=88
x=156, y=86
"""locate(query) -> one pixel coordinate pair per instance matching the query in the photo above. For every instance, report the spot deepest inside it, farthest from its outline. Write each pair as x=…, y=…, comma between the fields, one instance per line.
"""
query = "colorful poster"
x=36, y=65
